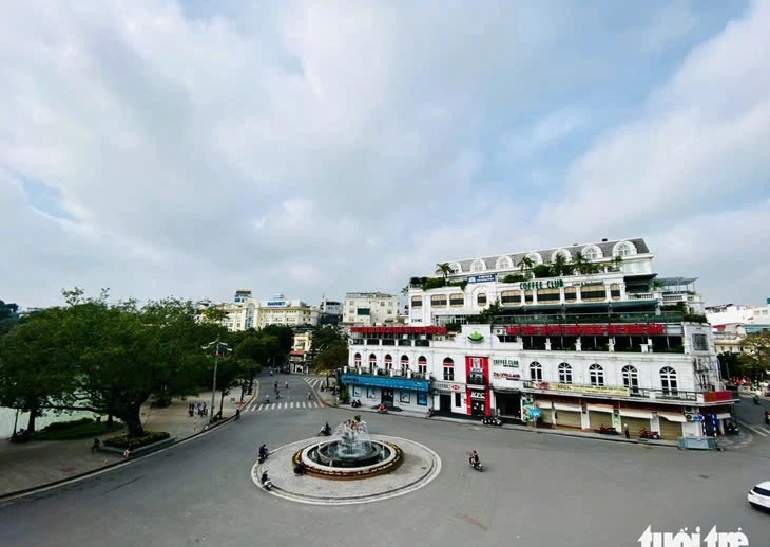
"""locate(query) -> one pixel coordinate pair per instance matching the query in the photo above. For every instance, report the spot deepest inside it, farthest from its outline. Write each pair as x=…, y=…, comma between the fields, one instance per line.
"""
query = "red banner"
x=399, y=330
x=586, y=330
x=714, y=396
x=479, y=397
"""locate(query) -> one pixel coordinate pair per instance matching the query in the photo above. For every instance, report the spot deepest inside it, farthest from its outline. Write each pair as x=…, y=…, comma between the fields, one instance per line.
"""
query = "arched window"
x=372, y=360
x=478, y=265
x=481, y=299
x=388, y=362
x=536, y=259
x=596, y=372
x=422, y=365
x=404, y=362
x=630, y=378
x=565, y=373
x=563, y=252
x=591, y=253
x=456, y=268
x=357, y=359
x=536, y=371
x=668, y=380
x=624, y=248
x=504, y=262
x=449, y=370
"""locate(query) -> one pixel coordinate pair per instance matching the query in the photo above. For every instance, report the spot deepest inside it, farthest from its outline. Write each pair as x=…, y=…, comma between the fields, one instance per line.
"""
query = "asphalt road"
x=542, y=490
x=752, y=416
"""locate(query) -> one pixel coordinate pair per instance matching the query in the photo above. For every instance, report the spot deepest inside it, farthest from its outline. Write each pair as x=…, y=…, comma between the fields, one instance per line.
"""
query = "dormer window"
x=624, y=248
x=563, y=252
x=478, y=265
x=591, y=253
x=504, y=262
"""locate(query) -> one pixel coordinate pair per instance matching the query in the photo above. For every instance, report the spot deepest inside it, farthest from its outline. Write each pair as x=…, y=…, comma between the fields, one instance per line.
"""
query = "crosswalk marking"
x=291, y=405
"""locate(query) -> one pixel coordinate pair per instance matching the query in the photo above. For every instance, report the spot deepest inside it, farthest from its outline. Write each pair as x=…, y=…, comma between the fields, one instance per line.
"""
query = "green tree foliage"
x=106, y=359
x=326, y=336
x=284, y=335
x=755, y=360
x=7, y=316
x=332, y=357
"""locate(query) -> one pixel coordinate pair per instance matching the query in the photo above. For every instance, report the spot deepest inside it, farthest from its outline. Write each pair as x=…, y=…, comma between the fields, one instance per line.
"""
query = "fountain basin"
x=383, y=457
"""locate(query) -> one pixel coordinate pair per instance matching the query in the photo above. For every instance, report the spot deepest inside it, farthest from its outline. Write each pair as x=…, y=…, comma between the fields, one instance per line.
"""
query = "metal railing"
x=615, y=390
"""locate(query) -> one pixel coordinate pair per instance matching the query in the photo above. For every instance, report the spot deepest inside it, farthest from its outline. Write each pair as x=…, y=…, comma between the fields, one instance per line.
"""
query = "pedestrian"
x=626, y=431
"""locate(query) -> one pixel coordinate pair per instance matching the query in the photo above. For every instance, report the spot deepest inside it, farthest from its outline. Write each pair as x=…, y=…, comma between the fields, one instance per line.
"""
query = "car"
x=759, y=496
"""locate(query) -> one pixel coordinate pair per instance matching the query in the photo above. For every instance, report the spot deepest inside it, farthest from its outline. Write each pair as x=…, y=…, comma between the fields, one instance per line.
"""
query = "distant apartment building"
x=370, y=308
x=732, y=324
x=282, y=311
x=330, y=312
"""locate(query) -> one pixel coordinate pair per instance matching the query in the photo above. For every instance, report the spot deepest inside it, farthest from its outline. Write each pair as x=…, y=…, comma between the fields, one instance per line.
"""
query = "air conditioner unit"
x=688, y=417
x=690, y=410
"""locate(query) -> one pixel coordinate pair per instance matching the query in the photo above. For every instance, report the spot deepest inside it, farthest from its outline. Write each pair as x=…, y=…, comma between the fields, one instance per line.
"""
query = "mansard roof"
x=606, y=248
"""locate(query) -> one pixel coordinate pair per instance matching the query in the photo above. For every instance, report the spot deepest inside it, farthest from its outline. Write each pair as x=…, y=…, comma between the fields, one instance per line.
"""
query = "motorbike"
x=491, y=420
x=767, y=417
x=383, y=411
x=756, y=399
x=646, y=434
x=431, y=413
x=266, y=482
x=731, y=428
x=355, y=403
x=473, y=464
x=264, y=453
x=324, y=432
x=607, y=430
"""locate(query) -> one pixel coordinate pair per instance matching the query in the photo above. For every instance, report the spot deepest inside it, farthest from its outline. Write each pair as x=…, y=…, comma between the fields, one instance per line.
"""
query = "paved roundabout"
x=419, y=467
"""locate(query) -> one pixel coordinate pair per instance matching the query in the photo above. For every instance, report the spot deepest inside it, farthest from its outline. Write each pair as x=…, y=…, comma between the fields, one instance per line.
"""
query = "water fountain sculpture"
x=350, y=454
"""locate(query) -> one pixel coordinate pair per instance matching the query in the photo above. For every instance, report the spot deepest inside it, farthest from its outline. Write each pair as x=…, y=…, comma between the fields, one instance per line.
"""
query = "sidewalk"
x=39, y=463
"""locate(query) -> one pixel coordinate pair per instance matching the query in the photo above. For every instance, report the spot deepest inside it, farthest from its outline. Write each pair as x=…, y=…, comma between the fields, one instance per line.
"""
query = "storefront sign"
x=506, y=376
x=475, y=337
x=480, y=395
x=506, y=363
x=448, y=386
x=550, y=284
x=585, y=330
x=588, y=388
x=486, y=278
x=385, y=381
x=276, y=304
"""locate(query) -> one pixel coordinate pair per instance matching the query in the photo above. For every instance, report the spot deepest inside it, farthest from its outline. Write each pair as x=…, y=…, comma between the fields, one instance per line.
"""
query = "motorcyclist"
x=263, y=451
x=474, y=459
x=266, y=481
x=267, y=399
x=327, y=430
x=756, y=399
x=287, y=385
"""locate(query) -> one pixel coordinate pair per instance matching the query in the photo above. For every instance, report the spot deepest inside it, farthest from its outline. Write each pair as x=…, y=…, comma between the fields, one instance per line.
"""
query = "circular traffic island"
x=341, y=472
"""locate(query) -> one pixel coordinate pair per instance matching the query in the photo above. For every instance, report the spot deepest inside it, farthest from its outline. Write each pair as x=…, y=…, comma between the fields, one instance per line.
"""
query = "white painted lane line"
x=754, y=429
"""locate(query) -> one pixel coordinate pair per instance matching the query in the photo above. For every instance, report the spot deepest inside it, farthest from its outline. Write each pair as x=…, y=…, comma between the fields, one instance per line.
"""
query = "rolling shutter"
x=600, y=418
x=669, y=429
x=566, y=418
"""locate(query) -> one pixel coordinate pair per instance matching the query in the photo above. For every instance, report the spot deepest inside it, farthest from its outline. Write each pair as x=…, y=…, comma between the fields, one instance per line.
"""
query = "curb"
x=74, y=478
x=318, y=396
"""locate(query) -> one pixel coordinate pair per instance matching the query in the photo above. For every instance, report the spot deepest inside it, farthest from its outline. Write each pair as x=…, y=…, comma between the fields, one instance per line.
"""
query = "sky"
x=191, y=148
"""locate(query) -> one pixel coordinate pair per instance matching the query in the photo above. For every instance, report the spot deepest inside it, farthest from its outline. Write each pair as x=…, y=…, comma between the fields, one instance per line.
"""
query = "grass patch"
x=123, y=441
x=77, y=429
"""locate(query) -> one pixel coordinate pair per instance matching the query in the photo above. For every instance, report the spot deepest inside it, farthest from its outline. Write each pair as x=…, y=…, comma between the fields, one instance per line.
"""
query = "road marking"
x=754, y=429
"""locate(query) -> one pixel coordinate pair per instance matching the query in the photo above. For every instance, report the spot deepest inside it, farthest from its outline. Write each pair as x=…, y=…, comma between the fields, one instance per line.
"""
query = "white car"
x=759, y=496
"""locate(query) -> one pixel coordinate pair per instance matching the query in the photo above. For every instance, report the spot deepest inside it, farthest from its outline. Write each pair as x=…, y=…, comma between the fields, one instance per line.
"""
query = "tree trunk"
x=33, y=414
x=222, y=403
x=134, y=423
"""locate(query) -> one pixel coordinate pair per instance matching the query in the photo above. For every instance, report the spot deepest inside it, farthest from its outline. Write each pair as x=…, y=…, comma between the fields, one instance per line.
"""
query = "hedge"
x=149, y=437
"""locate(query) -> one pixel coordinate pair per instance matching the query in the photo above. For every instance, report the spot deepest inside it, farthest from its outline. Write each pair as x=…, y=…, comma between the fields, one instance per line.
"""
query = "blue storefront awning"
x=385, y=381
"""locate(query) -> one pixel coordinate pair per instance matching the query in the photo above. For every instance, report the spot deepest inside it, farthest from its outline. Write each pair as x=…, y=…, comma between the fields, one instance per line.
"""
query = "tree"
x=7, y=316
x=755, y=360
x=326, y=336
x=332, y=357
x=284, y=335
x=443, y=269
x=259, y=347
x=33, y=376
x=616, y=263
x=405, y=290
x=526, y=263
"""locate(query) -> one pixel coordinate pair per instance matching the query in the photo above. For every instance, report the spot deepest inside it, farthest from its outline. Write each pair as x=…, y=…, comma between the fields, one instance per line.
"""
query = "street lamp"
x=216, y=343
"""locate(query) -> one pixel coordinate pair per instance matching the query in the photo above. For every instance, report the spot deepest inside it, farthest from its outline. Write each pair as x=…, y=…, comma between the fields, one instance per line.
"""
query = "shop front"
x=448, y=396
x=477, y=391
x=406, y=393
x=507, y=394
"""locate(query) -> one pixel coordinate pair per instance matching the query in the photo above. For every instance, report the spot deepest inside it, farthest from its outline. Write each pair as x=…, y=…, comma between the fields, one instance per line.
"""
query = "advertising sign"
x=506, y=363
x=448, y=386
x=588, y=388
x=276, y=304
x=385, y=381
x=485, y=278
x=584, y=330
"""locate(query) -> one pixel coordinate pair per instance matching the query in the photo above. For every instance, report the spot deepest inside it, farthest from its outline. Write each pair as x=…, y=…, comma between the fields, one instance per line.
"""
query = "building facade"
x=608, y=275
x=491, y=370
x=281, y=311
x=370, y=308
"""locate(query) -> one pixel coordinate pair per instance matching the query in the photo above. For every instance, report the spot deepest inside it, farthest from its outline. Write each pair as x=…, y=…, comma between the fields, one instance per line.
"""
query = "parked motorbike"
x=383, y=411
x=732, y=429
x=355, y=403
x=431, y=412
x=646, y=434
x=491, y=420
x=607, y=430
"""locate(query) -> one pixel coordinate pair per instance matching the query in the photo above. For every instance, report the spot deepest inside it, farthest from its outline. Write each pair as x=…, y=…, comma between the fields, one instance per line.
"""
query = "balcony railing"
x=392, y=372
x=615, y=391
x=569, y=318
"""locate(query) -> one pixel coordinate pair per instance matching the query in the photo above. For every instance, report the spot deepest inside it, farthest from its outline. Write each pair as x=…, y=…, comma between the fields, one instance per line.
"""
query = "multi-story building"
x=330, y=313
x=578, y=350
x=370, y=308
x=239, y=316
x=303, y=340
x=608, y=275
x=281, y=311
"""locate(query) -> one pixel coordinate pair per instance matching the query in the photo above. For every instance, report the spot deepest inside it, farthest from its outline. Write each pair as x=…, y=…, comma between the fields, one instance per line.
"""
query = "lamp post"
x=216, y=343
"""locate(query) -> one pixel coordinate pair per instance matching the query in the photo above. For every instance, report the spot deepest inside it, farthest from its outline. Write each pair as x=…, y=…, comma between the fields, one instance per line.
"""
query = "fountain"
x=350, y=454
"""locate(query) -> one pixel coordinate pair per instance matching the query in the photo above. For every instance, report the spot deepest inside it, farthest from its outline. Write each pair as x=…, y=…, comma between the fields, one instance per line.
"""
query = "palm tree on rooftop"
x=526, y=263
x=443, y=269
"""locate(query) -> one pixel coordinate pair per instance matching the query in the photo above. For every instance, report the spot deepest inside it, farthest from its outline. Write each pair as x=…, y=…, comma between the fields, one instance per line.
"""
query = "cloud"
x=190, y=148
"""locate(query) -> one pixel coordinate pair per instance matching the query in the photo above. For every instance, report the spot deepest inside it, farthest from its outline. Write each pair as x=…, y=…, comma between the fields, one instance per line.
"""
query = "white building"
x=593, y=278
x=370, y=308
x=741, y=315
x=489, y=370
x=282, y=311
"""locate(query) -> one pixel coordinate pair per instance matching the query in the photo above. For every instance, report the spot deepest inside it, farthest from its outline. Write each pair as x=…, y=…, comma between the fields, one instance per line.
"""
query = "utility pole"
x=217, y=345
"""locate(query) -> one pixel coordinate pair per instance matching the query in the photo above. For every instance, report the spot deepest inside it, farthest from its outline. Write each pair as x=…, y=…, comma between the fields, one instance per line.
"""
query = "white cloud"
x=308, y=150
